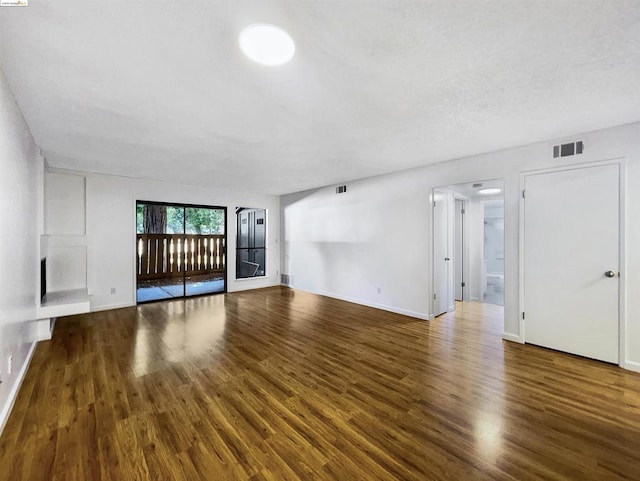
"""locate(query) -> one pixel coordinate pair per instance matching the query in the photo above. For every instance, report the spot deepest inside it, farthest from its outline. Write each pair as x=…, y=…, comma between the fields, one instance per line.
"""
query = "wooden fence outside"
x=175, y=255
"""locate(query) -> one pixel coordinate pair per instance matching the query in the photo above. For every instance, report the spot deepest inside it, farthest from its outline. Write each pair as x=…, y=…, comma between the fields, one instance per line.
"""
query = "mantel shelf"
x=64, y=303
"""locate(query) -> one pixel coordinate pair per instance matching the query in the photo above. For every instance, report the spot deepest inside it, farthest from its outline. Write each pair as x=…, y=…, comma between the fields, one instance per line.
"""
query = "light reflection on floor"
x=191, y=328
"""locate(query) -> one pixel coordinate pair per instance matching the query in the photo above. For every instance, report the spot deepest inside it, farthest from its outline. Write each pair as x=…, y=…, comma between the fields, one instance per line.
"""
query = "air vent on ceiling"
x=567, y=150
x=341, y=189
x=477, y=185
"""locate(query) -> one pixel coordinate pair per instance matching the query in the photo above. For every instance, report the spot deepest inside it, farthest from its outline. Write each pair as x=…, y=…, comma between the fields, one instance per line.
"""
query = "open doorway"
x=493, y=252
x=468, y=244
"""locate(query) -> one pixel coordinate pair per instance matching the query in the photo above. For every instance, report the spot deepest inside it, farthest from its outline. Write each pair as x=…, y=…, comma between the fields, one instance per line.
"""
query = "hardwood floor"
x=279, y=384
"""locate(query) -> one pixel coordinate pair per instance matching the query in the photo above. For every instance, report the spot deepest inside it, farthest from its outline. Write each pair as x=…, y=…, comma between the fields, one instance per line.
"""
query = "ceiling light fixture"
x=267, y=44
x=489, y=191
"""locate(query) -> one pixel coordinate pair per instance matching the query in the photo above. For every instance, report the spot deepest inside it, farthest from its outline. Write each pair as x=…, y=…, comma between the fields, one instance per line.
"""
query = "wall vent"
x=341, y=189
x=285, y=279
x=567, y=150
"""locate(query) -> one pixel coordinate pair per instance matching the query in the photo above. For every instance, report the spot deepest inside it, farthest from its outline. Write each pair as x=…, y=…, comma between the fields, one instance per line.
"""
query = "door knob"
x=610, y=274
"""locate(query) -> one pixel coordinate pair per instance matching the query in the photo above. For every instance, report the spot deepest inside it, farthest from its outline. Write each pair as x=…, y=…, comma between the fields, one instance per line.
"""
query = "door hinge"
x=523, y=194
x=434, y=297
x=523, y=315
x=462, y=284
x=434, y=203
x=462, y=211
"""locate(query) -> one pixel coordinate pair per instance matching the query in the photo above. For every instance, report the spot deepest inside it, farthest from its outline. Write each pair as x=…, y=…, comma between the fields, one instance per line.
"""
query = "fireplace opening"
x=43, y=278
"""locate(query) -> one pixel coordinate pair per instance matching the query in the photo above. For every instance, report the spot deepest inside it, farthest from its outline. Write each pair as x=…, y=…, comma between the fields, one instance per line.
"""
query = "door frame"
x=622, y=317
x=464, y=249
x=136, y=201
x=450, y=228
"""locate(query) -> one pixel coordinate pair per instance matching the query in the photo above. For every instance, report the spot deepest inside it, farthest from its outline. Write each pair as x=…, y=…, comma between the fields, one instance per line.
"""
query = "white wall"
x=20, y=182
x=65, y=231
x=377, y=235
x=64, y=204
x=111, y=228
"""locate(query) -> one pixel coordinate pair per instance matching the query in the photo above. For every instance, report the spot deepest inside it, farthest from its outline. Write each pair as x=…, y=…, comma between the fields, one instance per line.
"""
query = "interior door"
x=440, y=252
x=571, y=260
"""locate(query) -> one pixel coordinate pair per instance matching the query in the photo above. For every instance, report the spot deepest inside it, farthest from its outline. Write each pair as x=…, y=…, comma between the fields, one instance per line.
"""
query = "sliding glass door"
x=205, y=231
x=180, y=250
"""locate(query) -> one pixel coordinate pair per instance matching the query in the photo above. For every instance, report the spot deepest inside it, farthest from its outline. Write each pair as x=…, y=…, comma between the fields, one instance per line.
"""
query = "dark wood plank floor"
x=279, y=384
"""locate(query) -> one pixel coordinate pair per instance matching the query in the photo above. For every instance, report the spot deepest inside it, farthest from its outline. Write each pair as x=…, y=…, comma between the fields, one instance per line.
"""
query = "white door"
x=440, y=252
x=571, y=260
x=458, y=256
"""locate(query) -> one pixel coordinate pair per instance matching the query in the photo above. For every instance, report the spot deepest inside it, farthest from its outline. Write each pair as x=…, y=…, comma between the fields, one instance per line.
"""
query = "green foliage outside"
x=175, y=220
x=140, y=218
x=205, y=221
x=199, y=220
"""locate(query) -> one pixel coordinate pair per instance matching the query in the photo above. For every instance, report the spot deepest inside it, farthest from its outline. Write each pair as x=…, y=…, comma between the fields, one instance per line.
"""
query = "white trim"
x=521, y=326
x=133, y=245
x=622, y=317
x=622, y=263
x=244, y=279
x=13, y=394
x=383, y=307
x=631, y=365
x=508, y=336
x=430, y=234
x=119, y=305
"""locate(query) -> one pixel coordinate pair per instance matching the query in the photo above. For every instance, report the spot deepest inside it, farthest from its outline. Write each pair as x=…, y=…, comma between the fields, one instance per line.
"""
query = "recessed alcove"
x=63, y=250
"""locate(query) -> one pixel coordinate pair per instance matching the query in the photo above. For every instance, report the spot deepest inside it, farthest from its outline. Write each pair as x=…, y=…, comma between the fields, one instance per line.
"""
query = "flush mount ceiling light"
x=489, y=191
x=267, y=44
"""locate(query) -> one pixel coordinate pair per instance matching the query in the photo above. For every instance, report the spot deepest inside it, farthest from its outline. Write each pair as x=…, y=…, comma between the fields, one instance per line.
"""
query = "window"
x=251, y=242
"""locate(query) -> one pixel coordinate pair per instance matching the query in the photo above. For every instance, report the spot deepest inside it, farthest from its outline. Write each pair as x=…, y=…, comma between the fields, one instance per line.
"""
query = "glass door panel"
x=205, y=233
x=158, y=273
x=180, y=251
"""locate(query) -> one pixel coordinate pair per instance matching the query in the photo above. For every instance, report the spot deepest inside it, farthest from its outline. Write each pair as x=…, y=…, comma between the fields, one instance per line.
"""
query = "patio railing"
x=176, y=255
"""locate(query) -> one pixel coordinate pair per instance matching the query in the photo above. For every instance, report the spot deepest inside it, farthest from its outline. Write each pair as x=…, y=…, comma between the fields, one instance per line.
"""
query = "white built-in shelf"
x=64, y=303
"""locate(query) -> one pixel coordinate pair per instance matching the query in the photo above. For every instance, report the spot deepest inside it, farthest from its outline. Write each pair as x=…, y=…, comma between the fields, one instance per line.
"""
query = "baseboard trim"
x=108, y=307
x=13, y=394
x=383, y=307
x=631, y=366
x=508, y=336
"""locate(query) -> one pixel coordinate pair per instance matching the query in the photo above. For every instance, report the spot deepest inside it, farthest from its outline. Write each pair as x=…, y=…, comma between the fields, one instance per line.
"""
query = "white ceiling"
x=469, y=191
x=160, y=89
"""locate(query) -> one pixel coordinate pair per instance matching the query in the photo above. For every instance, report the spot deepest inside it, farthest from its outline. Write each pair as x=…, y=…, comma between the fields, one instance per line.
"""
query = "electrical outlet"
x=113, y=290
x=10, y=363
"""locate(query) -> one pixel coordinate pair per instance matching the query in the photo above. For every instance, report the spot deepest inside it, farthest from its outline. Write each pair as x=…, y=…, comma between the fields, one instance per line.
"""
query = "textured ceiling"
x=160, y=89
